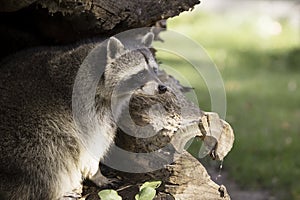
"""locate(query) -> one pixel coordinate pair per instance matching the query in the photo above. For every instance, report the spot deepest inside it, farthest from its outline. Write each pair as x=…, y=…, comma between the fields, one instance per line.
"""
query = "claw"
x=71, y=196
x=100, y=180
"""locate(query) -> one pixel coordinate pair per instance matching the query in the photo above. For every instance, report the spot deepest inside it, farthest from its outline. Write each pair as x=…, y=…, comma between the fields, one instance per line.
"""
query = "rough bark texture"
x=184, y=179
x=28, y=23
x=189, y=180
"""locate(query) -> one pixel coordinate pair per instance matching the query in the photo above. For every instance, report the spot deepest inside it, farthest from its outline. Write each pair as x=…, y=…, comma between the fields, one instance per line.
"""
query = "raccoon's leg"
x=74, y=195
x=99, y=179
x=21, y=186
x=70, y=187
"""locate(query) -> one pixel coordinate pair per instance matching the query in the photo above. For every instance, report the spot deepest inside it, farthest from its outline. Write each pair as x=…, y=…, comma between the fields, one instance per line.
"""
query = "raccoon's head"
x=138, y=97
x=129, y=68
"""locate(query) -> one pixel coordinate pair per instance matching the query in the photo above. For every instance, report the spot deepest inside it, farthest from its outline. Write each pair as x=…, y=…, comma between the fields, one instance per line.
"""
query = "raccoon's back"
x=32, y=111
x=25, y=86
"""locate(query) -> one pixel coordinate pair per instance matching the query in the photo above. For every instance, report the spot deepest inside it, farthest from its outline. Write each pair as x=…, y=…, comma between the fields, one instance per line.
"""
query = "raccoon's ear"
x=147, y=39
x=115, y=48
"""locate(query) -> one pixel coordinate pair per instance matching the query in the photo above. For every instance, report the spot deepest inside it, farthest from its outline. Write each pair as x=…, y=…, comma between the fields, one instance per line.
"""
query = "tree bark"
x=28, y=23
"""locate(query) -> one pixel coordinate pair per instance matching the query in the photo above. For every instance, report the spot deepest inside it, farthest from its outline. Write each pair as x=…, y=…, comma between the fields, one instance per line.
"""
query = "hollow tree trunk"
x=27, y=23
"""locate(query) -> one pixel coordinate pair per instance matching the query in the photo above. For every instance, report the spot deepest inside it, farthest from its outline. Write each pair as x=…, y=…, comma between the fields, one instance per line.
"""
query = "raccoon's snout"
x=162, y=89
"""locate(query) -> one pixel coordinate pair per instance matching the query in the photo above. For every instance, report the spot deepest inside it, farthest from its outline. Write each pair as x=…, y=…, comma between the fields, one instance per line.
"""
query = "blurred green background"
x=258, y=55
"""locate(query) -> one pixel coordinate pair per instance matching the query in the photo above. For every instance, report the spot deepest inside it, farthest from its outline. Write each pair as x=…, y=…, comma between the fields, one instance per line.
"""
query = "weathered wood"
x=190, y=180
x=116, y=14
x=184, y=179
x=28, y=23
x=217, y=136
x=14, y=5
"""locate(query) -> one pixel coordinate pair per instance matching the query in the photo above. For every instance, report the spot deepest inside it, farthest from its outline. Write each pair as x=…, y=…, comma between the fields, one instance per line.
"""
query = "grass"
x=261, y=74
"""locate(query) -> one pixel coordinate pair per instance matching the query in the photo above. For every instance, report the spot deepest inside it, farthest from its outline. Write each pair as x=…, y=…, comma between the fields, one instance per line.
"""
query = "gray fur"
x=114, y=48
x=43, y=154
x=147, y=39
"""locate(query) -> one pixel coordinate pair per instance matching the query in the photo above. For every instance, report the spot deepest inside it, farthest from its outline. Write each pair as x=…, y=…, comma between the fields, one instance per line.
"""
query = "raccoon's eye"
x=141, y=75
x=155, y=69
x=162, y=89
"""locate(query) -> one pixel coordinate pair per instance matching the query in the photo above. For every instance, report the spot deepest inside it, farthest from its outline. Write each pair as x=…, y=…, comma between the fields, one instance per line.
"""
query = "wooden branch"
x=14, y=5
x=69, y=20
x=29, y=23
x=190, y=180
x=184, y=179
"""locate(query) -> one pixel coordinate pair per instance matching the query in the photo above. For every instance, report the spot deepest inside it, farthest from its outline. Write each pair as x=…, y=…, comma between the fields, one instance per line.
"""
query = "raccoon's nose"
x=162, y=89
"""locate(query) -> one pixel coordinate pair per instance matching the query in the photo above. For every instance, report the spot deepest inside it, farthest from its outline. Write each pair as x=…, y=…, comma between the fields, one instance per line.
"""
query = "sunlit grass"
x=236, y=32
x=261, y=73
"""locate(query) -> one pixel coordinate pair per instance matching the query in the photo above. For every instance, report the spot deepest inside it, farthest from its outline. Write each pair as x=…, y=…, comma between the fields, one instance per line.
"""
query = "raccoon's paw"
x=74, y=195
x=100, y=180
x=71, y=196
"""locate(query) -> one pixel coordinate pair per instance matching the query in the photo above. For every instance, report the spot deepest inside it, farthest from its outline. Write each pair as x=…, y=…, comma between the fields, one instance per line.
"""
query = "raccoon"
x=43, y=153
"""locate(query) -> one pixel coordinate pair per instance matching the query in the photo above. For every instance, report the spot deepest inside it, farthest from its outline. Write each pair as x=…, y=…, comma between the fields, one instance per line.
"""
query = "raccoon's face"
x=137, y=92
x=134, y=69
x=152, y=102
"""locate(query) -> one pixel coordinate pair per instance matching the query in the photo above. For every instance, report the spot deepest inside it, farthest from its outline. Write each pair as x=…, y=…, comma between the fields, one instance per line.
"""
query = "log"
x=189, y=180
x=184, y=179
x=28, y=23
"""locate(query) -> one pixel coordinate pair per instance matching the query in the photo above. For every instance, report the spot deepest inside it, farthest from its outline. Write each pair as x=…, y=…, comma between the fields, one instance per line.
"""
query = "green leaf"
x=152, y=184
x=147, y=193
x=137, y=197
x=109, y=195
